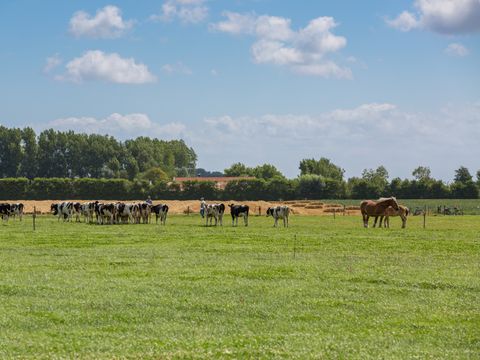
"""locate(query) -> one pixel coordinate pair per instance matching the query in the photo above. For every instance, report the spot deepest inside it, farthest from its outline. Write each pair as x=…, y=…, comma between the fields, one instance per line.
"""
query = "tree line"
x=56, y=154
x=372, y=184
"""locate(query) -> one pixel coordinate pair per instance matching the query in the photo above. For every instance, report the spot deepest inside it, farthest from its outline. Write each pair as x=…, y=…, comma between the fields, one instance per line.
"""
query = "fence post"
x=34, y=216
x=188, y=210
x=424, y=216
x=334, y=211
x=344, y=210
x=259, y=211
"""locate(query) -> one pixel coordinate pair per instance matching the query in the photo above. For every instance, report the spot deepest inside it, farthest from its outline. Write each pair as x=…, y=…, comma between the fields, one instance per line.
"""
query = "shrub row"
x=304, y=187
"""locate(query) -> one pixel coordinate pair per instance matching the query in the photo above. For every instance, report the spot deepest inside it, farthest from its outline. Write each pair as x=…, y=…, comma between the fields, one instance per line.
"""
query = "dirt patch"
x=193, y=206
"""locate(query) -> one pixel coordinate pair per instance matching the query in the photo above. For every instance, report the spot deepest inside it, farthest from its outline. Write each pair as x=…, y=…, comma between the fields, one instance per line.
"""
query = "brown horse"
x=402, y=211
x=376, y=208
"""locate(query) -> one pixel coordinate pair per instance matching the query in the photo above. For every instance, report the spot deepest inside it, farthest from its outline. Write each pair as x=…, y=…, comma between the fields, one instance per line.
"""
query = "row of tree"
x=322, y=179
x=70, y=155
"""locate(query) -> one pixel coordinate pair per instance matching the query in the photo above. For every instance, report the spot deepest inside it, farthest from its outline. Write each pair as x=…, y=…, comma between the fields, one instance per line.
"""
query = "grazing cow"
x=402, y=211
x=239, y=210
x=5, y=211
x=279, y=212
x=76, y=210
x=105, y=213
x=62, y=210
x=161, y=212
x=88, y=211
x=214, y=211
x=17, y=209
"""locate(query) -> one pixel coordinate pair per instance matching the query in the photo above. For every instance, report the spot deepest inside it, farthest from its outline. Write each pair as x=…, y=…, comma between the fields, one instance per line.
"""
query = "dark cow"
x=239, y=210
x=279, y=212
x=161, y=212
x=5, y=211
x=17, y=210
x=214, y=211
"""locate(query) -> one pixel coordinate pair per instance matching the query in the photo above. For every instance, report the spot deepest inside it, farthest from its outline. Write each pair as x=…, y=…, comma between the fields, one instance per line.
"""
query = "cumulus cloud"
x=51, y=63
x=456, y=49
x=187, y=11
x=95, y=65
x=406, y=21
x=123, y=126
x=304, y=51
x=177, y=68
x=106, y=24
x=378, y=133
x=442, y=16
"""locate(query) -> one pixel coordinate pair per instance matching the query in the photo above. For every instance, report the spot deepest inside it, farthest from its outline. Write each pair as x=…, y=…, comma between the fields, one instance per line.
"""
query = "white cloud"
x=96, y=65
x=106, y=24
x=178, y=68
x=51, y=63
x=455, y=49
x=187, y=11
x=123, y=126
x=406, y=21
x=376, y=133
x=442, y=16
x=303, y=51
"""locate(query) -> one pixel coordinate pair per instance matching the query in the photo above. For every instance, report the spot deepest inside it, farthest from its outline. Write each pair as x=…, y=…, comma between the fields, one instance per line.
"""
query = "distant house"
x=220, y=182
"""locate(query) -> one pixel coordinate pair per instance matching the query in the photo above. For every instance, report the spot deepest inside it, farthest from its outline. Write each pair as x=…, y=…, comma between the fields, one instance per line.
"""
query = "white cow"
x=279, y=212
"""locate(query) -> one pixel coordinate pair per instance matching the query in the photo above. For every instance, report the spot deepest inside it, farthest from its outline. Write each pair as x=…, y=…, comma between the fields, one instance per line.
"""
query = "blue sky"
x=363, y=83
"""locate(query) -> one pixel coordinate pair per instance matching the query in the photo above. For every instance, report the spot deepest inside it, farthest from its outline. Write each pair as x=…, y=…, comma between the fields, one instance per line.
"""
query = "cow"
x=17, y=209
x=279, y=212
x=5, y=209
x=402, y=211
x=239, y=210
x=126, y=213
x=62, y=210
x=105, y=213
x=161, y=212
x=214, y=211
x=145, y=211
x=88, y=211
x=76, y=210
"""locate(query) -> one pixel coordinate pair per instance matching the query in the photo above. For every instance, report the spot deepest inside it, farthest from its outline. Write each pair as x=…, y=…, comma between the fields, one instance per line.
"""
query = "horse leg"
x=375, y=221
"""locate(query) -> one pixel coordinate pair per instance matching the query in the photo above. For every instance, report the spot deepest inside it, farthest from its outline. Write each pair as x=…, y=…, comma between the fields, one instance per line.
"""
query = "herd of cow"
x=110, y=213
x=136, y=213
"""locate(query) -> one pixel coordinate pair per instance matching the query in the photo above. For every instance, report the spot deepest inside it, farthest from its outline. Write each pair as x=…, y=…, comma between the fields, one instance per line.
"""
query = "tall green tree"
x=323, y=167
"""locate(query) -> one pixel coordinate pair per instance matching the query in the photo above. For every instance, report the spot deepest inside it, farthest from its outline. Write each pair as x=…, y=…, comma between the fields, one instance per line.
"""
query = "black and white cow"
x=17, y=210
x=5, y=211
x=126, y=213
x=279, y=212
x=214, y=211
x=105, y=213
x=145, y=211
x=239, y=210
x=88, y=211
x=63, y=210
x=161, y=212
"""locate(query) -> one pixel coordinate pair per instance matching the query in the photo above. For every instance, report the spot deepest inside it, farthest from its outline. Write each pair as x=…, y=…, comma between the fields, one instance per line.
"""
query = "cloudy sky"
x=363, y=83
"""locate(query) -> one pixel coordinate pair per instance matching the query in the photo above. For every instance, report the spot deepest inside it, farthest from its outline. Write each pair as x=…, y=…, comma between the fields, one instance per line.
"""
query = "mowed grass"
x=185, y=291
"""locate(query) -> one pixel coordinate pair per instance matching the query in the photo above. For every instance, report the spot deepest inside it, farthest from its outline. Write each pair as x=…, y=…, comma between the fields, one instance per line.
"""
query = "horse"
x=376, y=208
x=402, y=211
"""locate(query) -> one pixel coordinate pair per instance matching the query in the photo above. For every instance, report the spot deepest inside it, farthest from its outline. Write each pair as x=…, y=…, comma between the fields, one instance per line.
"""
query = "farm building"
x=220, y=182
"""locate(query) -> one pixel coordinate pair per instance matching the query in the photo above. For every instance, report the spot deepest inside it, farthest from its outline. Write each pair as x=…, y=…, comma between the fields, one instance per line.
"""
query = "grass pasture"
x=186, y=291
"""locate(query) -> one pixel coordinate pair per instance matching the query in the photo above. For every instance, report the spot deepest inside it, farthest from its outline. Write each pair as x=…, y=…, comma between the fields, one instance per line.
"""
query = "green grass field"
x=186, y=291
